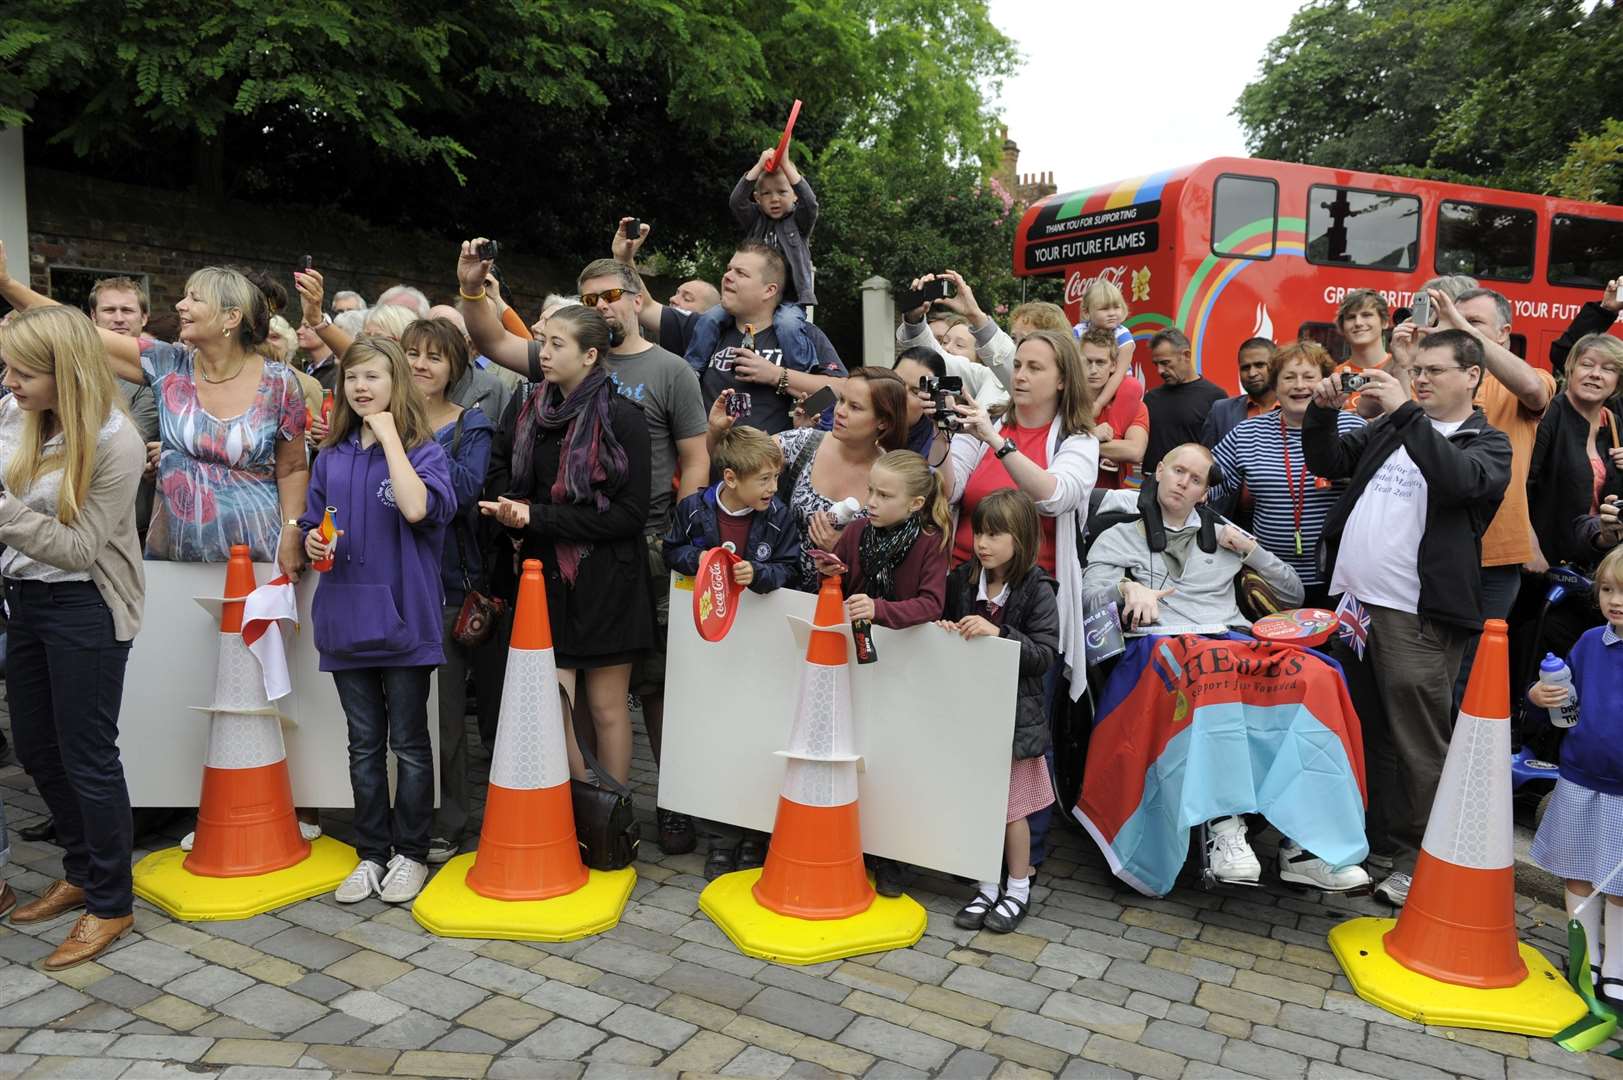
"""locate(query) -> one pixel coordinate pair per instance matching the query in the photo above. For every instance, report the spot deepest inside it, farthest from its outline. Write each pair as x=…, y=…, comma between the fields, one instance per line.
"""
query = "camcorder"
x=938, y=390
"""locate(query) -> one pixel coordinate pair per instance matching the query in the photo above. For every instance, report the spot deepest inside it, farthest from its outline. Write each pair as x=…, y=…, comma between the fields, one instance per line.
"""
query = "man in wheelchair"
x=1197, y=724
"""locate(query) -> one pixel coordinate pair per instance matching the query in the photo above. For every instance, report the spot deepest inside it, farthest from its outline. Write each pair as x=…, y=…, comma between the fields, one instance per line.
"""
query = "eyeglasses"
x=1433, y=373
x=590, y=299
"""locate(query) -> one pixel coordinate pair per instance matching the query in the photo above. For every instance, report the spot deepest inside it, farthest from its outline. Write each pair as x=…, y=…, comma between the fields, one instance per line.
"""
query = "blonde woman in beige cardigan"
x=71, y=460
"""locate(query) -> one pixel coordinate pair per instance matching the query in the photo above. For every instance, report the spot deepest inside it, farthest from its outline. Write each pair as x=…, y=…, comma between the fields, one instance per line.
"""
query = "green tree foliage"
x=1506, y=93
x=537, y=121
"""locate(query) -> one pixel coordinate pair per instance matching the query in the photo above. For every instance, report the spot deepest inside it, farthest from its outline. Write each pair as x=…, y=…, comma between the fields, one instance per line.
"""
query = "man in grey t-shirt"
x=668, y=391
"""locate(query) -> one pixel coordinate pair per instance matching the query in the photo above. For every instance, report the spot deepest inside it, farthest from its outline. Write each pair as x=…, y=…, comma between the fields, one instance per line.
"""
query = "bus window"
x=1370, y=229
x=1586, y=252
x=1245, y=217
x=1485, y=241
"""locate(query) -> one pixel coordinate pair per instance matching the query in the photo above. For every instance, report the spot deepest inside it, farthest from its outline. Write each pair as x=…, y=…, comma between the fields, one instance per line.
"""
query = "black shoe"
x=675, y=833
x=972, y=916
x=752, y=852
x=889, y=877
x=721, y=860
x=1006, y=914
x=43, y=831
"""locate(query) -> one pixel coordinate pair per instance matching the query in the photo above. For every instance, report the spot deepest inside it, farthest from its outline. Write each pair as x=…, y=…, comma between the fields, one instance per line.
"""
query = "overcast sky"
x=1169, y=77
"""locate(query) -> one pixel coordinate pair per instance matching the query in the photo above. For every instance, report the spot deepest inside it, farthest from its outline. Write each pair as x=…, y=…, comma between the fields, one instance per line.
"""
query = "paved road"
x=1099, y=982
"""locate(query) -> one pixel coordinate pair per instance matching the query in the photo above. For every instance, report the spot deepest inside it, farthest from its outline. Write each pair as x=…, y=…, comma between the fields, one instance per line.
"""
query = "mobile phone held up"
x=306, y=263
x=632, y=228
x=1420, y=311
x=818, y=403
x=939, y=289
x=488, y=249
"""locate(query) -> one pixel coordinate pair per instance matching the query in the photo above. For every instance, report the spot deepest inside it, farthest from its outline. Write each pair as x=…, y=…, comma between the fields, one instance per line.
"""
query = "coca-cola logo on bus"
x=1076, y=284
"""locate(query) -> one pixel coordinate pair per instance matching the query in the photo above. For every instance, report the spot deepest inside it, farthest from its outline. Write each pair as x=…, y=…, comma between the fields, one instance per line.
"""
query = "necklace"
x=229, y=377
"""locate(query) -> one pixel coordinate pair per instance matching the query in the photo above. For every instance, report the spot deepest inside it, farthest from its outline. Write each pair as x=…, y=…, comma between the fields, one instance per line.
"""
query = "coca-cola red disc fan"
x=715, y=594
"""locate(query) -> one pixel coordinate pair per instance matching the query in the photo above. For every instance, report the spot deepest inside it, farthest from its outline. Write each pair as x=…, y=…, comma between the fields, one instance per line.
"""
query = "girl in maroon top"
x=894, y=561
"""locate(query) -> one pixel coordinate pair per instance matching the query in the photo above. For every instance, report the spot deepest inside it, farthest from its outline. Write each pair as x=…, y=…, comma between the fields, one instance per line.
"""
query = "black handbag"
x=606, y=823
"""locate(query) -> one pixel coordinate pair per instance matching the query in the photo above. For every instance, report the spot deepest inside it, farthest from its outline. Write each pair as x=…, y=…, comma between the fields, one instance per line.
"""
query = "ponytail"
x=936, y=508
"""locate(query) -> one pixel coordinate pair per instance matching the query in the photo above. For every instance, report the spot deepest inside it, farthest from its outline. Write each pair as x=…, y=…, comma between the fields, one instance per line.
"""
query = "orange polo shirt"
x=1509, y=539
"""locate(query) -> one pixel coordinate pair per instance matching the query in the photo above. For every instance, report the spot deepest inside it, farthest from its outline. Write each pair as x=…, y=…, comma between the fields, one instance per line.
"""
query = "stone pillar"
x=878, y=324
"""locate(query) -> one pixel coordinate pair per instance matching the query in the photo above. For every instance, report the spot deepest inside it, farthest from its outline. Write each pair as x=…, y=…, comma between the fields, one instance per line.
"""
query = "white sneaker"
x=1395, y=889
x=361, y=883
x=187, y=841
x=1230, y=857
x=405, y=879
x=1300, y=867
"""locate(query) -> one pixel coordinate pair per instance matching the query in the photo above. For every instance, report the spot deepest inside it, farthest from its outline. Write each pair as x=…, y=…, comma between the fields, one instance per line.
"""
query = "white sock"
x=1020, y=889
x=1612, y=966
x=989, y=890
x=1589, y=917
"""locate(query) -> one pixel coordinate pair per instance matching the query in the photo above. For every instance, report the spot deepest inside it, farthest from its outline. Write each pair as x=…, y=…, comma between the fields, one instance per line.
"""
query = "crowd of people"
x=1418, y=485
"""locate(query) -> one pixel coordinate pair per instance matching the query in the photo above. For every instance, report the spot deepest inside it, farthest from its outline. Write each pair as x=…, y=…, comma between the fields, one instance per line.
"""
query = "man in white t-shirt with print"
x=1405, y=542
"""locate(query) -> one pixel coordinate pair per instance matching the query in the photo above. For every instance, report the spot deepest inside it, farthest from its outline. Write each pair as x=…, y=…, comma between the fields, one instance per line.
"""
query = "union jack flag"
x=1354, y=624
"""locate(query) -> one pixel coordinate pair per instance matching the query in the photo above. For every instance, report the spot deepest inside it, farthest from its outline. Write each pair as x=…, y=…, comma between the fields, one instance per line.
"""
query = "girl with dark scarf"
x=894, y=561
x=577, y=501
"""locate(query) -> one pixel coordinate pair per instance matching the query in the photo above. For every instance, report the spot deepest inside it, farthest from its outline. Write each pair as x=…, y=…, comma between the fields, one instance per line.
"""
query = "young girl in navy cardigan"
x=377, y=612
x=1581, y=836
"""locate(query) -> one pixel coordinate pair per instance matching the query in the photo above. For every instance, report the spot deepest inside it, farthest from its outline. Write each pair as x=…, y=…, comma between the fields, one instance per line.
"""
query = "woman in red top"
x=1044, y=446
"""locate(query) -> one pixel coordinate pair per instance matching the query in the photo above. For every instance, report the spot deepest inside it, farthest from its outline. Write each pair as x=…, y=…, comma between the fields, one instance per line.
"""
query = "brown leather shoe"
x=8, y=899
x=58, y=898
x=88, y=939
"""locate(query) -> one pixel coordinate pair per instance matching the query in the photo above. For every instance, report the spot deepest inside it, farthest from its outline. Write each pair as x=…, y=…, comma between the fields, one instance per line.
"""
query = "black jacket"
x=1031, y=620
x=1561, y=486
x=1591, y=319
x=1222, y=419
x=1466, y=476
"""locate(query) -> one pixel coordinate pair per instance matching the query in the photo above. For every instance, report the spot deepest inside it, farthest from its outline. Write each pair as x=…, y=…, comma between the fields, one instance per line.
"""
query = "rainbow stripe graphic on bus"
x=1139, y=189
x=1257, y=240
x=1112, y=221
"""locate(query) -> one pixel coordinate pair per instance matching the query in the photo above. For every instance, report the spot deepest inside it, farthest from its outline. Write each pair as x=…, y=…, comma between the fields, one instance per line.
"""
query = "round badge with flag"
x=715, y=593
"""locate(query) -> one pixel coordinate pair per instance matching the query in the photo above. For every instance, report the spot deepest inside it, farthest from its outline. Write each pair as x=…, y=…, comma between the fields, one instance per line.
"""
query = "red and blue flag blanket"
x=1192, y=728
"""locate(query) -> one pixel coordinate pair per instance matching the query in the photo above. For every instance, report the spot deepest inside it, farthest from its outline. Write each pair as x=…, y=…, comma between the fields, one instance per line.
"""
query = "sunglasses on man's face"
x=610, y=295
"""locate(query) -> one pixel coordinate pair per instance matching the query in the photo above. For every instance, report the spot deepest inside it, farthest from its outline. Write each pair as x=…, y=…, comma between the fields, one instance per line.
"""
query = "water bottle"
x=1554, y=672
x=845, y=511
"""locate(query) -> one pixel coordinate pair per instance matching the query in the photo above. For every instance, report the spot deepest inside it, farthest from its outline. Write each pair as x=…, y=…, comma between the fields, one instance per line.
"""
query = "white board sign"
x=162, y=738
x=934, y=724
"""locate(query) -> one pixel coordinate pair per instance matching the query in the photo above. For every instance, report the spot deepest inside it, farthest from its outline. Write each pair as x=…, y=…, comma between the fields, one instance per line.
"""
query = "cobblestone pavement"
x=1099, y=982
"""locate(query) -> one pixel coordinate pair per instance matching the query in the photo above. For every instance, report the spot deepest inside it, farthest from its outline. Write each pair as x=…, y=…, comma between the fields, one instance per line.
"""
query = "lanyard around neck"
x=1298, y=492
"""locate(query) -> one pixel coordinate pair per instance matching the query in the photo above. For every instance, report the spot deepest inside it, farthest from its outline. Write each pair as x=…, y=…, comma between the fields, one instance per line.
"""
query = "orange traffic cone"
x=814, y=865
x=526, y=881
x=527, y=848
x=1452, y=958
x=811, y=902
x=245, y=820
x=1459, y=923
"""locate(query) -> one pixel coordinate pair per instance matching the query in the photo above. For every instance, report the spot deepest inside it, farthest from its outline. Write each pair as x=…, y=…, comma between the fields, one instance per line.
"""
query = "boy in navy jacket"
x=742, y=509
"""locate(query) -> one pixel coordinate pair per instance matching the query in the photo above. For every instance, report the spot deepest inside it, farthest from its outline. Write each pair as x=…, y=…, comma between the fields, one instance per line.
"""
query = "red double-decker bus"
x=1234, y=248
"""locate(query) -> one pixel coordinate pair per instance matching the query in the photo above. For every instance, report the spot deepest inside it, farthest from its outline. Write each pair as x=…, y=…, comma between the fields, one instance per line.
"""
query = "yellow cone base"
x=161, y=879
x=1542, y=1004
x=890, y=923
x=447, y=907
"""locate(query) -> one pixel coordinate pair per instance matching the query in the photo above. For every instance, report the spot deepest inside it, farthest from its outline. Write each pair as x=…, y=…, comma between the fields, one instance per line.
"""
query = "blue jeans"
x=387, y=709
x=65, y=680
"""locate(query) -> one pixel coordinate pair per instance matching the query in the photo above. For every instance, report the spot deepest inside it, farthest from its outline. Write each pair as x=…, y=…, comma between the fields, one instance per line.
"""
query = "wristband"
x=783, y=381
x=470, y=299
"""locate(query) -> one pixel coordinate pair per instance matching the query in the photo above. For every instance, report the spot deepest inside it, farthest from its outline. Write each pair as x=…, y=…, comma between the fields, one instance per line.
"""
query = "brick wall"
x=80, y=222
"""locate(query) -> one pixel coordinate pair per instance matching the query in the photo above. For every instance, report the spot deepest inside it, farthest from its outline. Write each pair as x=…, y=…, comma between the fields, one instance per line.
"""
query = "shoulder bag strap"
x=604, y=779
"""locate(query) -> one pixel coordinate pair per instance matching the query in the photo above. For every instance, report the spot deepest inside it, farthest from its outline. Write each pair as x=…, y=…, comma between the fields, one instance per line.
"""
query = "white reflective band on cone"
x=1470, y=823
x=818, y=783
x=239, y=684
x=244, y=742
x=530, y=752
x=823, y=715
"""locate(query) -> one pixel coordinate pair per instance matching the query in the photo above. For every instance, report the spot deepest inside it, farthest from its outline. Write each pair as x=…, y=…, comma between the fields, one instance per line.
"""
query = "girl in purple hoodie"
x=377, y=611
